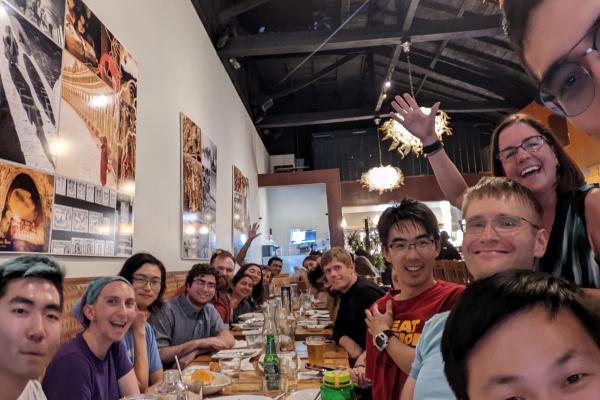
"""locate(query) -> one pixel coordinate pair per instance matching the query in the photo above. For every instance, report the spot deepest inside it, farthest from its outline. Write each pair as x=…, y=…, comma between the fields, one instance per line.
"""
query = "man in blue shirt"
x=502, y=230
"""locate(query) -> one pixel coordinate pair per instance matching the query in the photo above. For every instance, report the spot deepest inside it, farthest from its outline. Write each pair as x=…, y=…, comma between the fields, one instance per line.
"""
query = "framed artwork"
x=68, y=111
x=26, y=204
x=199, y=192
x=240, y=214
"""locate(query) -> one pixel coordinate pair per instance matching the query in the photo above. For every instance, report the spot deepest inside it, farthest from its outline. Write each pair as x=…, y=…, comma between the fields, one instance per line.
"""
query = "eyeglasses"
x=530, y=145
x=568, y=88
x=140, y=282
x=500, y=224
x=203, y=283
x=419, y=245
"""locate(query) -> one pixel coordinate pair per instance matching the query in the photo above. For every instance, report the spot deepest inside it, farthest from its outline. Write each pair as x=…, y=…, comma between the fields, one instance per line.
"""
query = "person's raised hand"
x=410, y=116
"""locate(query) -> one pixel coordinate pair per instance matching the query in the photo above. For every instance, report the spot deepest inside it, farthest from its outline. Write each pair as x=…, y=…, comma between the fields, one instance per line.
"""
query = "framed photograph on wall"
x=240, y=213
x=198, y=192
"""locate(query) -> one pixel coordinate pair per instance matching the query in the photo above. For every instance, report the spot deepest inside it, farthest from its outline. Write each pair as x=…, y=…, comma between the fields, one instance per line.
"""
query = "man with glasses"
x=502, y=231
x=557, y=42
x=410, y=238
x=189, y=325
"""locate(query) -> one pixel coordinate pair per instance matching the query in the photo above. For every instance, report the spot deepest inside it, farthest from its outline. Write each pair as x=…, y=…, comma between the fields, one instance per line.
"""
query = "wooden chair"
x=455, y=271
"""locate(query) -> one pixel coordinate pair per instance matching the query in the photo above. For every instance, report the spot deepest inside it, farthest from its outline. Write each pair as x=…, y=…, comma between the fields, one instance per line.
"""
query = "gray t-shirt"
x=178, y=321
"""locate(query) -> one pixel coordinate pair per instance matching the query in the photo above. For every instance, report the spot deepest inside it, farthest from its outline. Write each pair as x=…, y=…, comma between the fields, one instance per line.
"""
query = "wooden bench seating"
x=73, y=289
x=452, y=271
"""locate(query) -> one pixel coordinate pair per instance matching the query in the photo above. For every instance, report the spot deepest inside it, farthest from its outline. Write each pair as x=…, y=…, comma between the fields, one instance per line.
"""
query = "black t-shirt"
x=351, y=316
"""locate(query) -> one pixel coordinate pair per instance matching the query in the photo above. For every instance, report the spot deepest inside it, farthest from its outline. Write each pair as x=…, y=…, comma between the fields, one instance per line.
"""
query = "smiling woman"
x=106, y=310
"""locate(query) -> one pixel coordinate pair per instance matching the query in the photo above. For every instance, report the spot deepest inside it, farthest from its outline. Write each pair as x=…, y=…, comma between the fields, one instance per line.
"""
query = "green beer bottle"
x=271, y=365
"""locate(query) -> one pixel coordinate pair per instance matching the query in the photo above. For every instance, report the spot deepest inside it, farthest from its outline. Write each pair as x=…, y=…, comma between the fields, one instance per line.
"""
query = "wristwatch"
x=433, y=148
x=382, y=339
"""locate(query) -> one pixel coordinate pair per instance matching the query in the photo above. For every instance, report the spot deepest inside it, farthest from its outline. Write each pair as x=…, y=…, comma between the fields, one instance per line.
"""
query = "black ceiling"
x=458, y=55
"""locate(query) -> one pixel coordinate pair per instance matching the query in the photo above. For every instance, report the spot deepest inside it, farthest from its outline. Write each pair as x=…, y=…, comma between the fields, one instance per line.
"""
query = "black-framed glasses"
x=568, y=88
x=502, y=223
x=142, y=281
x=421, y=244
x=203, y=283
x=530, y=145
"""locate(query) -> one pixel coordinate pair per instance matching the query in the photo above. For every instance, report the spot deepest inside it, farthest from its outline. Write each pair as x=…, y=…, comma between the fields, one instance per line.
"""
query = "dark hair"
x=317, y=253
x=274, y=259
x=569, y=176
x=221, y=253
x=310, y=257
x=258, y=290
x=515, y=24
x=499, y=187
x=25, y=182
x=27, y=266
x=314, y=276
x=135, y=262
x=199, y=270
x=407, y=211
x=488, y=302
x=238, y=277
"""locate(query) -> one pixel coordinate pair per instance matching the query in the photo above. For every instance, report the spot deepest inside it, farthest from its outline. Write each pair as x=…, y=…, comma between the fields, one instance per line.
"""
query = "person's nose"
x=36, y=330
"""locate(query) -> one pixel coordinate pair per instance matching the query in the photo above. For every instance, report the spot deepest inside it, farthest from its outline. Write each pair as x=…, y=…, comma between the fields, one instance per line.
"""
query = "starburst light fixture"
x=402, y=140
x=382, y=178
x=405, y=142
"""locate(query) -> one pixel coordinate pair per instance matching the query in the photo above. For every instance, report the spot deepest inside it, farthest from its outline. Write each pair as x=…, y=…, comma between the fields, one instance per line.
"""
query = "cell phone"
x=319, y=368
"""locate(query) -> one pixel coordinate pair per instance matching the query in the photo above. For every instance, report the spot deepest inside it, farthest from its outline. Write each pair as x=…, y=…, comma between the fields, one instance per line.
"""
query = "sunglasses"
x=568, y=88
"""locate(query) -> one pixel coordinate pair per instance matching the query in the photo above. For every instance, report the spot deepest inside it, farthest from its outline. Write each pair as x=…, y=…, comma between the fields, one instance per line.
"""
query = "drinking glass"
x=230, y=367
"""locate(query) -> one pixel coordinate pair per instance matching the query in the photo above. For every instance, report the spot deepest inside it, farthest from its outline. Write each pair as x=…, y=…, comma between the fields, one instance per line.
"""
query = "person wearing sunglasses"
x=557, y=42
x=189, y=325
x=524, y=150
x=147, y=275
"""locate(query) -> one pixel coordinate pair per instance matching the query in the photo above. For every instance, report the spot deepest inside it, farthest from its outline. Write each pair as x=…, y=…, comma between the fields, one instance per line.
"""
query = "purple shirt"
x=76, y=373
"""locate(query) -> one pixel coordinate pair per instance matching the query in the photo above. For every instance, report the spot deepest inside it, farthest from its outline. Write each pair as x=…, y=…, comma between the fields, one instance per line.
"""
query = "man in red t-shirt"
x=411, y=242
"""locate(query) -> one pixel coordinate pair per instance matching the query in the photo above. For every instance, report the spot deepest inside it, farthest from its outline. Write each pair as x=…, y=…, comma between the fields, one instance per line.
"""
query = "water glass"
x=254, y=341
x=289, y=371
x=230, y=367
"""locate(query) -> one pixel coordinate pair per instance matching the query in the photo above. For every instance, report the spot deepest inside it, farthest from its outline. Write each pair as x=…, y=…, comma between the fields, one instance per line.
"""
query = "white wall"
x=179, y=71
x=298, y=206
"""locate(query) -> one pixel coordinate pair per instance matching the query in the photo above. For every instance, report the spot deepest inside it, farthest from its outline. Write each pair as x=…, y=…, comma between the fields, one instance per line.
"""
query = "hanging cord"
x=324, y=43
x=406, y=47
x=379, y=147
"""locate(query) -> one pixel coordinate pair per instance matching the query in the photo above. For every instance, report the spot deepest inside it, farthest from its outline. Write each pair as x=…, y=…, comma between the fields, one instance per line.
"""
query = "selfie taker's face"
x=531, y=356
x=554, y=29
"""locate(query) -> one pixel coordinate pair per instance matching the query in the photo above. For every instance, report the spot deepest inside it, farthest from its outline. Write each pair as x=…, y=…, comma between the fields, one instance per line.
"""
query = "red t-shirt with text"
x=409, y=318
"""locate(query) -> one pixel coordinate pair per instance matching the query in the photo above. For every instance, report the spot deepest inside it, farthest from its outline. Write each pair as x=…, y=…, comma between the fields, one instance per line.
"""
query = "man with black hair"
x=411, y=241
x=275, y=265
x=523, y=335
x=189, y=325
x=502, y=231
x=31, y=301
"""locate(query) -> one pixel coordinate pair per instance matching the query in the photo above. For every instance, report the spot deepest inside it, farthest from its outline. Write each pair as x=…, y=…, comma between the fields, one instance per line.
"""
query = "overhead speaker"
x=559, y=127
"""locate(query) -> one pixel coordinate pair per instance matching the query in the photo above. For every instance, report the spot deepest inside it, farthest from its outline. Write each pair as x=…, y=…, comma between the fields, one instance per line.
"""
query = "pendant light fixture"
x=402, y=140
x=382, y=178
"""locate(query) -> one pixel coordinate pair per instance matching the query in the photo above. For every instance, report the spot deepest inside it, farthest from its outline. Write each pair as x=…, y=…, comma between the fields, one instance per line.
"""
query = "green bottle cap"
x=337, y=379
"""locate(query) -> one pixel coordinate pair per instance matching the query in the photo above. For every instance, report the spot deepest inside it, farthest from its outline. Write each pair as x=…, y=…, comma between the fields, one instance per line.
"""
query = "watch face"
x=380, y=341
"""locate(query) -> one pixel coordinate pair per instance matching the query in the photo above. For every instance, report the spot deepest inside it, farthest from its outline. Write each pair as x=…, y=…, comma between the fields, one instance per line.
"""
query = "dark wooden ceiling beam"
x=388, y=75
x=306, y=42
x=334, y=117
x=410, y=15
x=239, y=9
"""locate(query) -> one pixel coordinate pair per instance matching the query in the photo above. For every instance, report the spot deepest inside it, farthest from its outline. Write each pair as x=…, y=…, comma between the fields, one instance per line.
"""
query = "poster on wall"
x=26, y=204
x=30, y=83
x=240, y=215
x=47, y=15
x=199, y=192
x=68, y=110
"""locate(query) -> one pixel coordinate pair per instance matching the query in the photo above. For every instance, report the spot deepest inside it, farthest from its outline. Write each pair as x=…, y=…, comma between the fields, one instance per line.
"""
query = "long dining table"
x=251, y=382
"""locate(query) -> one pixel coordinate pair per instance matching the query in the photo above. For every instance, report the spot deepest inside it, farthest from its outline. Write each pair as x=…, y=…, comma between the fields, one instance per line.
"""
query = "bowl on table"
x=198, y=378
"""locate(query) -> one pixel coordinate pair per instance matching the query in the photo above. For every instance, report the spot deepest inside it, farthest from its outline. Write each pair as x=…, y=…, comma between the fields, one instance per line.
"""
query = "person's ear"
x=89, y=312
x=386, y=253
x=541, y=241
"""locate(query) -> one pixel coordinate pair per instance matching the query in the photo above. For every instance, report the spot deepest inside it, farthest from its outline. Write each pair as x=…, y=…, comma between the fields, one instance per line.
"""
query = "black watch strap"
x=433, y=148
x=388, y=333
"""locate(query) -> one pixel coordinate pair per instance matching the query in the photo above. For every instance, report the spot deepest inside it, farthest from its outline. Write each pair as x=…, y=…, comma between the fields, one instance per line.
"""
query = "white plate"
x=250, y=315
x=232, y=353
x=317, y=312
x=304, y=394
x=243, y=397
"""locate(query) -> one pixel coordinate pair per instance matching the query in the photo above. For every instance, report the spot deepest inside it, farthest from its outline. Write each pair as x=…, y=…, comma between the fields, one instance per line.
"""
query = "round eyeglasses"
x=568, y=88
